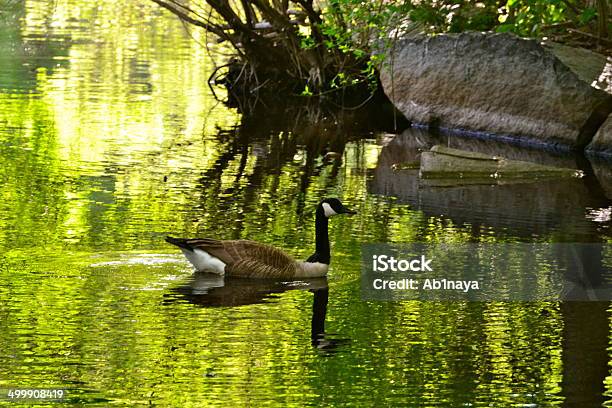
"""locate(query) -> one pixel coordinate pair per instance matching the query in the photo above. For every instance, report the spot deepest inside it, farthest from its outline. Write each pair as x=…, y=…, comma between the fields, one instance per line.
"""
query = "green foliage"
x=525, y=17
x=530, y=17
x=588, y=14
x=355, y=28
x=307, y=91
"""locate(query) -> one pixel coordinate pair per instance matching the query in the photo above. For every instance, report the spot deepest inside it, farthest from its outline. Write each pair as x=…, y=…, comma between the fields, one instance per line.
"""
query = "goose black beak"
x=349, y=212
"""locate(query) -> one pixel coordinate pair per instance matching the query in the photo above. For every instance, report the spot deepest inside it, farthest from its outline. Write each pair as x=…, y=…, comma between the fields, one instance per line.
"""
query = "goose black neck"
x=321, y=254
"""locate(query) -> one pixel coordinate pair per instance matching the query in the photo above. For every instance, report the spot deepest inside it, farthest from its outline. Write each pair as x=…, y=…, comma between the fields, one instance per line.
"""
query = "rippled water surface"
x=110, y=139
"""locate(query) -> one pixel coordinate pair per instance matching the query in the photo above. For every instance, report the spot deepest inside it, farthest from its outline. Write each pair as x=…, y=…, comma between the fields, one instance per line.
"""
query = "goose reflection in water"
x=211, y=290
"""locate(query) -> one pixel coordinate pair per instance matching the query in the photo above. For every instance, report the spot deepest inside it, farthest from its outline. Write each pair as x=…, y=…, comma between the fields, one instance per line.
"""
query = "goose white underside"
x=311, y=269
x=204, y=262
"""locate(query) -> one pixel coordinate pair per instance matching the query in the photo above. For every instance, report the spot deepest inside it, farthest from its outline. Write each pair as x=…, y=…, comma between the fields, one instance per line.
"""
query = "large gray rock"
x=602, y=142
x=591, y=67
x=602, y=170
x=498, y=84
x=442, y=162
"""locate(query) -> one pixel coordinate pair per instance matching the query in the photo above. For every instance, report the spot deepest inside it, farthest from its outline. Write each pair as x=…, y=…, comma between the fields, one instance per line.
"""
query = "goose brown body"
x=250, y=259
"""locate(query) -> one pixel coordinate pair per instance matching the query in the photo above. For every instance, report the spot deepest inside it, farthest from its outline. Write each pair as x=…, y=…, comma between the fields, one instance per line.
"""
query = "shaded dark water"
x=110, y=139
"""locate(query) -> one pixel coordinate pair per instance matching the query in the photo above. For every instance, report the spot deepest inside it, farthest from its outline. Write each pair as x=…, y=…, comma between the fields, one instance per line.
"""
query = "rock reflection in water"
x=528, y=208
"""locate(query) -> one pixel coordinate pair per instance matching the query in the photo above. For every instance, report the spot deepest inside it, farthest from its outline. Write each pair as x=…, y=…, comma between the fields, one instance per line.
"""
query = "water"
x=110, y=139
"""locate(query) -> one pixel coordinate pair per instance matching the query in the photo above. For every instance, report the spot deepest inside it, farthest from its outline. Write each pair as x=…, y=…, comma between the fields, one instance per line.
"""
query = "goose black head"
x=333, y=206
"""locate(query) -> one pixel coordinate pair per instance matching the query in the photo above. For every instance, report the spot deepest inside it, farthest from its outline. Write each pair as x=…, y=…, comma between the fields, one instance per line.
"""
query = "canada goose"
x=249, y=259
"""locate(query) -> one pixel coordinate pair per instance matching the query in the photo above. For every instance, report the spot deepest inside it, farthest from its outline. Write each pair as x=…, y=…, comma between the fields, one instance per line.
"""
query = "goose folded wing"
x=234, y=251
x=213, y=247
x=251, y=268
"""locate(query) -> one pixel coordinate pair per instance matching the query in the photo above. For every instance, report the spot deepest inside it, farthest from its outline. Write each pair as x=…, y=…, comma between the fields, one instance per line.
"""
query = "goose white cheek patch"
x=328, y=210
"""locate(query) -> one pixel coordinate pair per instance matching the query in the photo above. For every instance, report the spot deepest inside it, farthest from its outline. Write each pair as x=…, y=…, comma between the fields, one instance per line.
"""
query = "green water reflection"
x=110, y=139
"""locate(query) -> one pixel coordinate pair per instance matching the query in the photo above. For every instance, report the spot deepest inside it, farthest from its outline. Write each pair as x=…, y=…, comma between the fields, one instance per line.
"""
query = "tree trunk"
x=602, y=19
x=267, y=39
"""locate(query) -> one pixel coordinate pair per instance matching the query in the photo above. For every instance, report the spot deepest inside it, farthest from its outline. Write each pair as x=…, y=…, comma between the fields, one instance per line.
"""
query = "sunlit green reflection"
x=110, y=139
